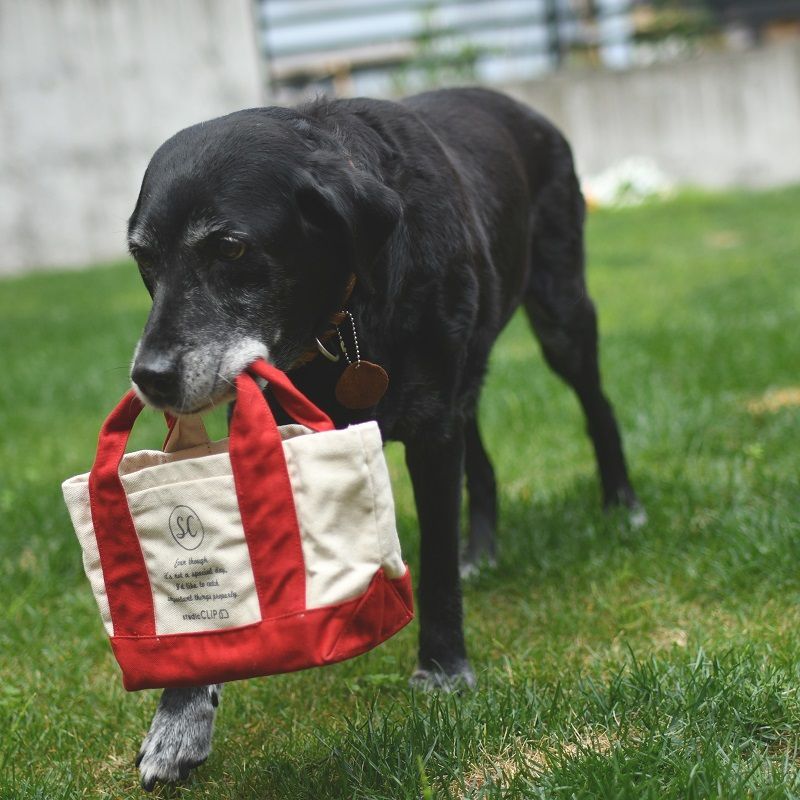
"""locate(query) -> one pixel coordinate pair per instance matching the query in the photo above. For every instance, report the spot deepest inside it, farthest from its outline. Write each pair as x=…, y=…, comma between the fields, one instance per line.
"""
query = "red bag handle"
x=264, y=494
x=292, y=400
x=130, y=599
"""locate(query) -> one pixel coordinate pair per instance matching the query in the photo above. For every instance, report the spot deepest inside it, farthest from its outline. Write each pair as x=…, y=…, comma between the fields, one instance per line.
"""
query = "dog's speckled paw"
x=472, y=568
x=438, y=680
x=179, y=738
x=637, y=516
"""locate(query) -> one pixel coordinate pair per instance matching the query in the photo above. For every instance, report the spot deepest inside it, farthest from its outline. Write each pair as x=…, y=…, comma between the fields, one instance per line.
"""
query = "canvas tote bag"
x=270, y=551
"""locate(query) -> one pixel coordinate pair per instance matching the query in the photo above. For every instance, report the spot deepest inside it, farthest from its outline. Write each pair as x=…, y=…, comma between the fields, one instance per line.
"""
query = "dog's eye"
x=145, y=266
x=230, y=249
x=144, y=261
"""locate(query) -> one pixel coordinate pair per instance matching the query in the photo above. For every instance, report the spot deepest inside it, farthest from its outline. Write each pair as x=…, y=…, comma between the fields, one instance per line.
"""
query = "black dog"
x=451, y=209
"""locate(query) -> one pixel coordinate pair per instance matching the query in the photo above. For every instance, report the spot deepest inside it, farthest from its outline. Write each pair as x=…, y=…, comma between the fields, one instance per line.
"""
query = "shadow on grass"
x=700, y=536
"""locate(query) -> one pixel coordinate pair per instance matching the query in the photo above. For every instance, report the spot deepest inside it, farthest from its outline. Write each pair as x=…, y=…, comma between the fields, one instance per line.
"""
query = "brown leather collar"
x=334, y=321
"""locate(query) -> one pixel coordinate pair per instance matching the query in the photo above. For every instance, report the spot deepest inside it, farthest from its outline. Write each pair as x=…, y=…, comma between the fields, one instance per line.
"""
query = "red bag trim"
x=367, y=625
x=289, y=643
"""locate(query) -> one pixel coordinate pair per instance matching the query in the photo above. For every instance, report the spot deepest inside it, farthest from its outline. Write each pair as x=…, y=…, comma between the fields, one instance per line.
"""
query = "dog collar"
x=334, y=321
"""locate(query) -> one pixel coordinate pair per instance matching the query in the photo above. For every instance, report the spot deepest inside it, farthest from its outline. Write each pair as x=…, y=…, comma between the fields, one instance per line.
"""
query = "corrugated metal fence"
x=386, y=46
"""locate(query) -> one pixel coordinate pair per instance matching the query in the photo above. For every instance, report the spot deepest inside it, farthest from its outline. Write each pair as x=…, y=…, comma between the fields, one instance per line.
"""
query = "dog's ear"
x=356, y=211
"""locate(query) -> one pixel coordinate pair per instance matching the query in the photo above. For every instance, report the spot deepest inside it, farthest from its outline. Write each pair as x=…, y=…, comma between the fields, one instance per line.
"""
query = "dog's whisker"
x=226, y=380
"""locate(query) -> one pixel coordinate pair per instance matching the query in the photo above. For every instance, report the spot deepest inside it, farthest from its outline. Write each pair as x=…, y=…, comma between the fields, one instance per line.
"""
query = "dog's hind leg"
x=563, y=318
x=179, y=738
x=482, y=502
x=570, y=348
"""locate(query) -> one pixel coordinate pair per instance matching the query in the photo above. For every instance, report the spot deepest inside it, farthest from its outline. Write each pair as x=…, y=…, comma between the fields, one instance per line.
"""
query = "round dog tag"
x=361, y=385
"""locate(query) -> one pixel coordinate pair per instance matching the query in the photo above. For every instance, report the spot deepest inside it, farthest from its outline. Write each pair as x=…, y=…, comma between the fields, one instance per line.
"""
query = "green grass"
x=612, y=663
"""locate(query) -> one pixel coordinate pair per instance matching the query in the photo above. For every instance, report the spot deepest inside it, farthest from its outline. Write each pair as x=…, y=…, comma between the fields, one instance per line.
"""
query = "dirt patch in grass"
x=667, y=638
x=533, y=758
x=775, y=400
x=723, y=240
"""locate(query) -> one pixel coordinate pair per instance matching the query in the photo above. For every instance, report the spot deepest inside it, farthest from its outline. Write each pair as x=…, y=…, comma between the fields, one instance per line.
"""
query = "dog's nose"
x=158, y=380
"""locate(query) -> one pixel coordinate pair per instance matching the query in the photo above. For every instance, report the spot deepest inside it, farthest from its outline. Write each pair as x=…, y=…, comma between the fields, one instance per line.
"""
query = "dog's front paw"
x=436, y=679
x=179, y=738
x=637, y=516
x=472, y=567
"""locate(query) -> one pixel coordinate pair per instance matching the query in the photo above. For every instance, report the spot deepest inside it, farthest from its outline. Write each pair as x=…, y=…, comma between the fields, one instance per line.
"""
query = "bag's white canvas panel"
x=186, y=515
x=194, y=548
x=345, y=511
x=385, y=520
x=76, y=496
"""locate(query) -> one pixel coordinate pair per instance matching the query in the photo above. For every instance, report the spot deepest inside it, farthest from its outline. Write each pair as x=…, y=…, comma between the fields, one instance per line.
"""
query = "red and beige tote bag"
x=270, y=551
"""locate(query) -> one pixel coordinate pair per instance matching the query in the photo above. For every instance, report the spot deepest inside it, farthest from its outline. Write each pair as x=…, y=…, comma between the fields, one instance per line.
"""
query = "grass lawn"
x=612, y=663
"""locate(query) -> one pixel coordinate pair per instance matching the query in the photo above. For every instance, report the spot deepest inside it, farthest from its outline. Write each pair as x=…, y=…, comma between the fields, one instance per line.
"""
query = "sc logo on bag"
x=186, y=528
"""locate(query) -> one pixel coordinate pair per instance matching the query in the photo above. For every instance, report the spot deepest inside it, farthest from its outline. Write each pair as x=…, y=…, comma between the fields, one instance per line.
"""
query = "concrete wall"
x=88, y=90
x=717, y=121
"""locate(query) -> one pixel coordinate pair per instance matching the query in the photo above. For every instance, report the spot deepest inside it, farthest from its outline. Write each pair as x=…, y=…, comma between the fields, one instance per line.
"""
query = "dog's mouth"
x=203, y=407
x=186, y=407
x=197, y=381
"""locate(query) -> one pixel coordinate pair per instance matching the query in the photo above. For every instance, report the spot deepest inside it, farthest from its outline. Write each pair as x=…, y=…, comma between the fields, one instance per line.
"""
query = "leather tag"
x=361, y=385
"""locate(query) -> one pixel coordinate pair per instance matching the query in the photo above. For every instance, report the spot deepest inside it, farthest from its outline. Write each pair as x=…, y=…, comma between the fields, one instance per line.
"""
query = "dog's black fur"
x=452, y=208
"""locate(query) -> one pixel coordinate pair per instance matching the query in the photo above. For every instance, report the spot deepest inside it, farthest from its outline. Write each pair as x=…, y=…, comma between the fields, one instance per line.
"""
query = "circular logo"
x=186, y=528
